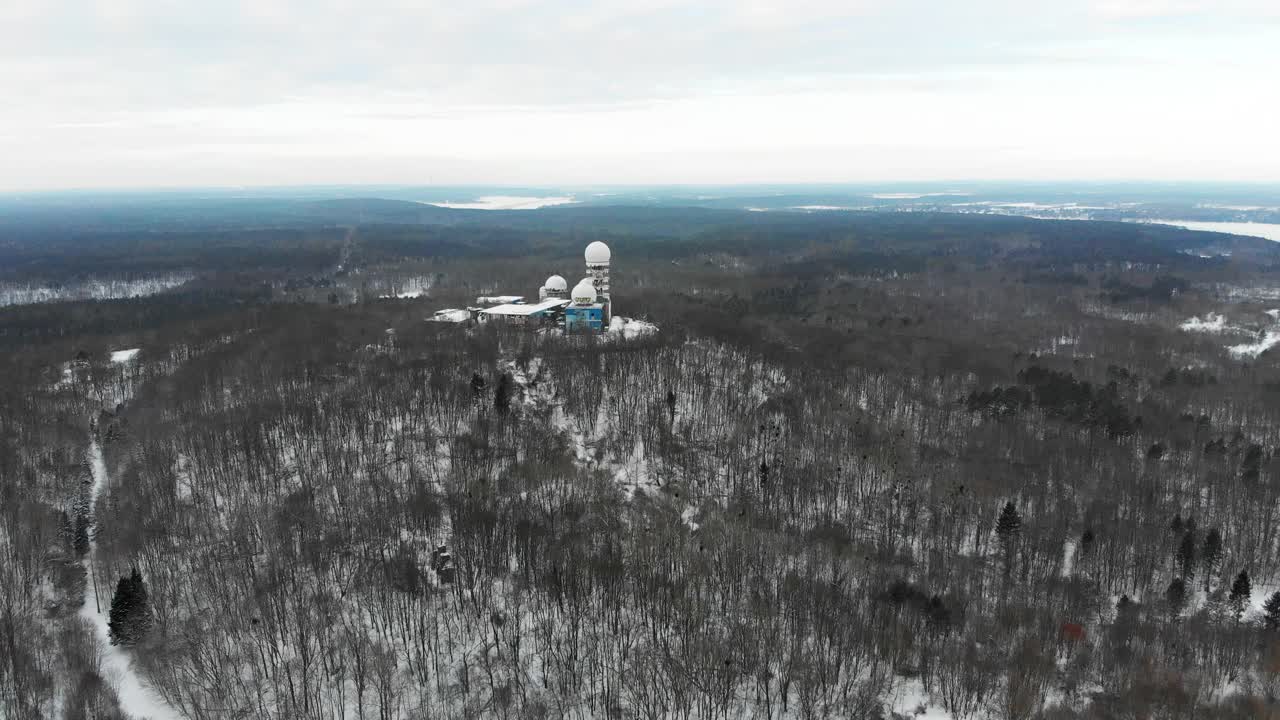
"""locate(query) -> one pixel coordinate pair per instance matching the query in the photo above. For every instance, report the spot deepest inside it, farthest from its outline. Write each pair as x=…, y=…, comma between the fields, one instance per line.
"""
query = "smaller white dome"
x=555, y=282
x=598, y=253
x=584, y=293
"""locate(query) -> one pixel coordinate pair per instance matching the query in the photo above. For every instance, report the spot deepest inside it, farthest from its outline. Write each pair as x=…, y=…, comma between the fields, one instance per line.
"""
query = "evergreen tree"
x=502, y=396
x=1176, y=596
x=129, y=618
x=1009, y=522
x=477, y=386
x=1007, y=527
x=1241, y=590
x=1272, y=609
x=1187, y=555
x=1211, y=555
x=80, y=540
x=1176, y=525
x=764, y=474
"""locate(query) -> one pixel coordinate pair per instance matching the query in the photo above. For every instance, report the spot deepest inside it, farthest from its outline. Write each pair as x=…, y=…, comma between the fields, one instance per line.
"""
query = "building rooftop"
x=523, y=309
x=451, y=315
x=499, y=299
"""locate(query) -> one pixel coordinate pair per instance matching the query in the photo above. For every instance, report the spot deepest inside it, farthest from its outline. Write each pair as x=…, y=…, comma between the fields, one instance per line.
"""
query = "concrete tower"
x=598, y=256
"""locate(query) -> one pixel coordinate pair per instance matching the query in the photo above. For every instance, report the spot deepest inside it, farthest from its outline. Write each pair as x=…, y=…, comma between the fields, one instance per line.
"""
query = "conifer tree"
x=1211, y=555
x=1187, y=555
x=1271, y=618
x=502, y=396
x=1009, y=522
x=1007, y=527
x=1176, y=596
x=129, y=618
x=1241, y=590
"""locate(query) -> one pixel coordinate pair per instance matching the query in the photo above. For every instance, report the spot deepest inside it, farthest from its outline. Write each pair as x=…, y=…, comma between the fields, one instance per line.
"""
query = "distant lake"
x=1270, y=231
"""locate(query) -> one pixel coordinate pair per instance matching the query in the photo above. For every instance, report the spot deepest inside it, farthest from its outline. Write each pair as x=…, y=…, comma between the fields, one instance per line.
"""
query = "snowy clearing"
x=507, y=202
x=124, y=356
x=631, y=328
x=33, y=293
x=1253, y=350
x=1213, y=322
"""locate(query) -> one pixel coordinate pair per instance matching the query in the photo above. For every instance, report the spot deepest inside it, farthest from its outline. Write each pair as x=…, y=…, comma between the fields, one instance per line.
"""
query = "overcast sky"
x=152, y=93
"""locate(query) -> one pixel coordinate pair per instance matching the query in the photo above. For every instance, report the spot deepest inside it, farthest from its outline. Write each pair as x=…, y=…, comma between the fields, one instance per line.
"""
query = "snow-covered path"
x=135, y=695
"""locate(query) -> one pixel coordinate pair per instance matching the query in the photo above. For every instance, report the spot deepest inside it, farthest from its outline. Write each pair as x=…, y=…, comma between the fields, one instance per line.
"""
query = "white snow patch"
x=631, y=328
x=687, y=516
x=94, y=289
x=914, y=196
x=414, y=288
x=1213, y=322
x=1270, y=231
x=124, y=356
x=507, y=202
x=912, y=701
x=1253, y=350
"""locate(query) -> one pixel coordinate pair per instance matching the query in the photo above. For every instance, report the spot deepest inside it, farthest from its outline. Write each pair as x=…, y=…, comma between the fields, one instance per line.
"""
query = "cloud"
x=105, y=91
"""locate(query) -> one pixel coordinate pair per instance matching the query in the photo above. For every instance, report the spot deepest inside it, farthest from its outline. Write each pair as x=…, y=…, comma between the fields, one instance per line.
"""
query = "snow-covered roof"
x=499, y=299
x=451, y=315
x=522, y=309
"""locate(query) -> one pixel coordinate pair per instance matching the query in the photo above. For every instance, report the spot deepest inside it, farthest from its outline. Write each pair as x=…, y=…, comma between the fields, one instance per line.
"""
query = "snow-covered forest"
x=866, y=467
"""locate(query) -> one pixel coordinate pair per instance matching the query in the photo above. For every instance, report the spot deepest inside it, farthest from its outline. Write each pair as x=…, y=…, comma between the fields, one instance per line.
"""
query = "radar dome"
x=598, y=253
x=557, y=283
x=585, y=292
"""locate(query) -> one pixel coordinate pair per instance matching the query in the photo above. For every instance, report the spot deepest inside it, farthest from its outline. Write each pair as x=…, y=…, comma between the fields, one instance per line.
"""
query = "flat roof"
x=512, y=309
x=499, y=299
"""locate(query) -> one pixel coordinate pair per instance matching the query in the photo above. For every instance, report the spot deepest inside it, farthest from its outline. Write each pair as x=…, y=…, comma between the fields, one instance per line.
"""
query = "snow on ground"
x=1213, y=322
x=1253, y=350
x=688, y=515
x=414, y=288
x=910, y=698
x=1217, y=323
x=1270, y=231
x=124, y=356
x=507, y=202
x=1068, y=558
x=630, y=327
x=27, y=294
x=135, y=695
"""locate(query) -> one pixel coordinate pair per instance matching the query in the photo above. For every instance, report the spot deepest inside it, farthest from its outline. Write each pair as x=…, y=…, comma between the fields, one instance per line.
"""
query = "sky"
x=167, y=93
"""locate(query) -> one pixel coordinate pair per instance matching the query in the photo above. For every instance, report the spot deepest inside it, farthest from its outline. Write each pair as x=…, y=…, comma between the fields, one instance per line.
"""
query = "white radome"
x=598, y=253
x=584, y=293
x=555, y=282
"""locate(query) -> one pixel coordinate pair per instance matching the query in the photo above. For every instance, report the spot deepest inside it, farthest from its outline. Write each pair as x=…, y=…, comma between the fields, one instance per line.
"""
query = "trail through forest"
x=135, y=695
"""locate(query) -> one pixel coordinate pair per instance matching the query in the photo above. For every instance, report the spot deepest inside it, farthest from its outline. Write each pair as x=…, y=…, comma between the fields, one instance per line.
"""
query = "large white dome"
x=555, y=282
x=584, y=293
x=598, y=253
